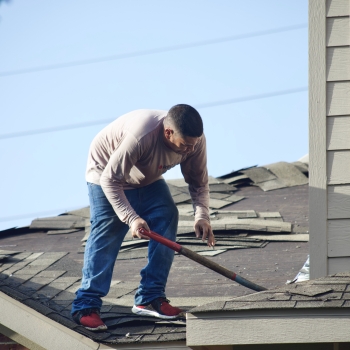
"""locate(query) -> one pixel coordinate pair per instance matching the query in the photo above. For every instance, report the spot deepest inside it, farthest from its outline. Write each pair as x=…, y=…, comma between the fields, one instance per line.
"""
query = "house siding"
x=338, y=122
x=329, y=121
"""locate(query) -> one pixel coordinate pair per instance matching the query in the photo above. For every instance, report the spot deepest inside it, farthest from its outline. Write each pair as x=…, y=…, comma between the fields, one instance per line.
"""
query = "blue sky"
x=43, y=174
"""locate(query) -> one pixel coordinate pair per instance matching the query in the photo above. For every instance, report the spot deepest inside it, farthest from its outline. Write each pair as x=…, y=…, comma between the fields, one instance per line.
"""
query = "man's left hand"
x=202, y=227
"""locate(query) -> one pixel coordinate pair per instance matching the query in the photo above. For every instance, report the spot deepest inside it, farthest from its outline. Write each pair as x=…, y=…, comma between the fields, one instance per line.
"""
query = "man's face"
x=179, y=144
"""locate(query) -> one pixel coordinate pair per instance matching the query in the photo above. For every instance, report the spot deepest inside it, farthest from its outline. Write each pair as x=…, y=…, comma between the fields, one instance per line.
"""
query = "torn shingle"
x=222, y=187
x=272, y=185
x=259, y=174
x=62, y=232
x=58, y=222
x=83, y=212
x=288, y=173
x=219, y=195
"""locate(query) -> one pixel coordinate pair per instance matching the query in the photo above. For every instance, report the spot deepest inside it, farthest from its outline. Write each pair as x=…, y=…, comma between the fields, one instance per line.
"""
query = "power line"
x=150, y=51
x=54, y=129
x=252, y=97
x=106, y=121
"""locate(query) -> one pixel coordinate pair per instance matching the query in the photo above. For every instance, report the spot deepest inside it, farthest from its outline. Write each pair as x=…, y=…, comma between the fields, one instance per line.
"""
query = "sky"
x=242, y=64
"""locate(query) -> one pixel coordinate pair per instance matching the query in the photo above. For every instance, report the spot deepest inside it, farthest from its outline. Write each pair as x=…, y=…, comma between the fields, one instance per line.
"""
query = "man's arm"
x=115, y=175
x=194, y=170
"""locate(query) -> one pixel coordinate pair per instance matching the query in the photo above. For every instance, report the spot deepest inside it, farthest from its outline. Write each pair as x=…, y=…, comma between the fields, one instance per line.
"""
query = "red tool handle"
x=157, y=237
x=201, y=260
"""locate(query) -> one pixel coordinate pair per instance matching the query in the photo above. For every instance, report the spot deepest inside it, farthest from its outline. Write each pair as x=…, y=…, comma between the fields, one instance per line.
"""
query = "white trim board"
x=39, y=329
x=317, y=139
x=268, y=327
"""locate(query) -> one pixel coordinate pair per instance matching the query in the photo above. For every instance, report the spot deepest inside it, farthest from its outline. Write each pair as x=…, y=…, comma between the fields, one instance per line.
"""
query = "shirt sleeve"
x=194, y=170
x=116, y=173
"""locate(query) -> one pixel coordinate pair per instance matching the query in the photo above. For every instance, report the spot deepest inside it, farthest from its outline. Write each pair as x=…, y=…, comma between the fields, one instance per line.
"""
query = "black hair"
x=186, y=120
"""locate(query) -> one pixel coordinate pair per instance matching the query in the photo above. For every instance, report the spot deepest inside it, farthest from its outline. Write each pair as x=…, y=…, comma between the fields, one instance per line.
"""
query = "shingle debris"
x=271, y=177
x=263, y=226
x=326, y=292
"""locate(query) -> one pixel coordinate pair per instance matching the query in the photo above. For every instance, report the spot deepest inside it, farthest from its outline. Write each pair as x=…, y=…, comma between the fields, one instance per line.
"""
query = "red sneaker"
x=90, y=319
x=160, y=308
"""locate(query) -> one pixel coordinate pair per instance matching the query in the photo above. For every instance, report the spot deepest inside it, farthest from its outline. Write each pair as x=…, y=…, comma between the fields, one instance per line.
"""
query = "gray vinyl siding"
x=330, y=137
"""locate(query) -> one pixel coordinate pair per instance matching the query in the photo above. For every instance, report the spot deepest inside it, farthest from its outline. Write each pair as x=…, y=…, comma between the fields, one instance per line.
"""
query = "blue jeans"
x=154, y=204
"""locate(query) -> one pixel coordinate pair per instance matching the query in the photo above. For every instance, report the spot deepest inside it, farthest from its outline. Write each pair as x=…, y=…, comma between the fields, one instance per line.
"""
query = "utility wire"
x=252, y=97
x=151, y=51
x=106, y=121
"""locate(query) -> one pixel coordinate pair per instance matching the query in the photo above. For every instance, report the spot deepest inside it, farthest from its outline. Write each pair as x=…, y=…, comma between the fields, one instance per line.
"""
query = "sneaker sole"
x=99, y=328
x=145, y=312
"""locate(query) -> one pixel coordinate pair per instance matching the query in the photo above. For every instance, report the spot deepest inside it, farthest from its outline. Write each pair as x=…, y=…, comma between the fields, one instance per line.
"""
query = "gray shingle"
x=58, y=222
x=255, y=296
x=62, y=232
x=240, y=214
x=133, y=254
x=132, y=330
x=346, y=296
x=319, y=304
x=218, y=203
x=14, y=293
x=64, y=295
x=42, y=262
x=288, y=173
x=233, y=305
x=308, y=290
x=218, y=195
x=48, y=291
x=272, y=185
x=181, y=197
x=259, y=174
x=222, y=187
x=336, y=287
x=96, y=336
x=62, y=305
x=51, y=273
x=346, y=303
x=106, y=308
x=83, y=212
x=52, y=255
x=215, y=306
x=117, y=292
x=64, y=282
x=172, y=336
x=233, y=198
x=150, y=338
x=280, y=297
x=233, y=179
x=342, y=274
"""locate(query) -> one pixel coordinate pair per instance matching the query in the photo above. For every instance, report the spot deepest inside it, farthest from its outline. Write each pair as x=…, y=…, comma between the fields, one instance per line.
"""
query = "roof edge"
x=29, y=327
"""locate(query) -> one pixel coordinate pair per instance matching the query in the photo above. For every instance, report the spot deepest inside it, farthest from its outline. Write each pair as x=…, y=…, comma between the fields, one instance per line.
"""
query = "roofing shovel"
x=201, y=260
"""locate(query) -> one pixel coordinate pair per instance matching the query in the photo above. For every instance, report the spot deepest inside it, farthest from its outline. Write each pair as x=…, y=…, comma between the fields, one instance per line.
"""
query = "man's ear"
x=168, y=132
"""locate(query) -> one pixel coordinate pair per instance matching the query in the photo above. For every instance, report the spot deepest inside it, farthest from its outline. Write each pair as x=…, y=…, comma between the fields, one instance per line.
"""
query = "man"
x=126, y=190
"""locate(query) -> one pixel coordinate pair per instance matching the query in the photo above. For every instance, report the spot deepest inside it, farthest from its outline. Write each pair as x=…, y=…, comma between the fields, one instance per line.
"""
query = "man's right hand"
x=139, y=223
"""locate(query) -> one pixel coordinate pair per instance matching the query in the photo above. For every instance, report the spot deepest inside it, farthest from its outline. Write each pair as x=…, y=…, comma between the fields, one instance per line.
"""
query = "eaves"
x=257, y=327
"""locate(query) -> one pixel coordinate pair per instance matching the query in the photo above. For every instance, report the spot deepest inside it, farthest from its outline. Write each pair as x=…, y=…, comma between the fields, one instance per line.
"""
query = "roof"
x=254, y=233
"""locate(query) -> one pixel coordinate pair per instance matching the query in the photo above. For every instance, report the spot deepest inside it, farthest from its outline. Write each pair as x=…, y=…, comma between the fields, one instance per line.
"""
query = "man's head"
x=182, y=127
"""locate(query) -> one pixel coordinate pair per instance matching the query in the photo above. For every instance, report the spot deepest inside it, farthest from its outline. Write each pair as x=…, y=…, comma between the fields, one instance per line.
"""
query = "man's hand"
x=203, y=227
x=139, y=223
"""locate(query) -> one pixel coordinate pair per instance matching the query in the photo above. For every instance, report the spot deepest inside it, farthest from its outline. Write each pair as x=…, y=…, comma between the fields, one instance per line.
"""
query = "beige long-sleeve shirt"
x=130, y=153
